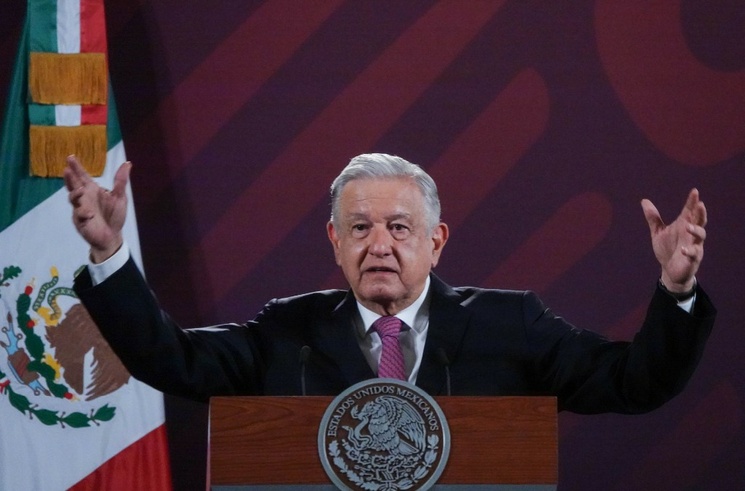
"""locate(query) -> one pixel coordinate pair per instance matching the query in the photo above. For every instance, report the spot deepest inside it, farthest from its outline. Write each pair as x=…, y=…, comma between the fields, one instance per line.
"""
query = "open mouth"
x=380, y=270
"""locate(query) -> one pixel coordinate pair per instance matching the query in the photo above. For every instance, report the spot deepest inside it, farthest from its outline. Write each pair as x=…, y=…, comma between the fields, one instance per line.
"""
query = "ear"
x=334, y=239
x=439, y=237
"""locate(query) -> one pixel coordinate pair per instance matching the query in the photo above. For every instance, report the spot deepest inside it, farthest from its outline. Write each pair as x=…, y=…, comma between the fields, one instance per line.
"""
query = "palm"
x=109, y=211
x=98, y=214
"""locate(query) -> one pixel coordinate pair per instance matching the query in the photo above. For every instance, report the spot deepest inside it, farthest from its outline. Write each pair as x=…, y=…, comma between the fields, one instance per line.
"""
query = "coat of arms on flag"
x=54, y=351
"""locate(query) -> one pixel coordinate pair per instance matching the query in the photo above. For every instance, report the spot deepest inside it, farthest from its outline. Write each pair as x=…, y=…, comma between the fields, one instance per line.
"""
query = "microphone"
x=304, y=355
x=442, y=358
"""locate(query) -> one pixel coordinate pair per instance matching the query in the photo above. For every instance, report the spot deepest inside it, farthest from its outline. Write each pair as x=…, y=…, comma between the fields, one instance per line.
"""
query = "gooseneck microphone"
x=304, y=355
x=442, y=358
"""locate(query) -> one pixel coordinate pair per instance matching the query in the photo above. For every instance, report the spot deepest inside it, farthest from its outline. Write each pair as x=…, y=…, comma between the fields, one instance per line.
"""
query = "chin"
x=380, y=296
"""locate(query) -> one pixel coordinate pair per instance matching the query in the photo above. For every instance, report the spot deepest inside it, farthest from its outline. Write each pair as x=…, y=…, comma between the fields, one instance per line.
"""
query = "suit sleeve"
x=591, y=374
x=197, y=364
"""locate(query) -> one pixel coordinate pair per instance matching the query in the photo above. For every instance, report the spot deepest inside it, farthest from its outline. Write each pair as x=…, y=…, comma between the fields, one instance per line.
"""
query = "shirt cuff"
x=101, y=271
x=687, y=305
x=685, y=300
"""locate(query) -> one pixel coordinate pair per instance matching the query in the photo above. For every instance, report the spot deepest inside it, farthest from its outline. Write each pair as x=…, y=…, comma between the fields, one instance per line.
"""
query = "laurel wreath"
x=405, y=483
x=51, y=418
x=35, y=347
x=351, y=475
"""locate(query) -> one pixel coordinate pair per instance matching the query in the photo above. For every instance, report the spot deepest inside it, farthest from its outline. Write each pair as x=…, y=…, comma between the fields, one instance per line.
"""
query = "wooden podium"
x=265, y=442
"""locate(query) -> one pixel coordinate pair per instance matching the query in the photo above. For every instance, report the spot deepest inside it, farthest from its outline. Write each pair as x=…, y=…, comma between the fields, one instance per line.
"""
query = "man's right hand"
x=97, y=213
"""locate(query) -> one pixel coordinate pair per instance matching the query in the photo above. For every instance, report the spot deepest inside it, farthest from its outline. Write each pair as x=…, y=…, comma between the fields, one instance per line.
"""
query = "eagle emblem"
x=391, y=425
x=384, y=434
x=55, y=356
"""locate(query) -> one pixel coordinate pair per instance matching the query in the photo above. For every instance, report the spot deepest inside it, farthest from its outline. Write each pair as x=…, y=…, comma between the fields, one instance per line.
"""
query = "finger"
x=81, y=216
x=693, y=252
x=698, y=232
x=75, y=195
x=652, y=215
x=75, y=174
x=84, y=216
x=699, y=216
x=68, y=178
x=78, y=170
x=121, y=178
x=70, y=174
x=692, y=199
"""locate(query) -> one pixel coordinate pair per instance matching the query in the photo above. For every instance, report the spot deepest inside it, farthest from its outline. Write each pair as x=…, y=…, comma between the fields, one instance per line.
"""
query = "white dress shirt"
x=413, y=333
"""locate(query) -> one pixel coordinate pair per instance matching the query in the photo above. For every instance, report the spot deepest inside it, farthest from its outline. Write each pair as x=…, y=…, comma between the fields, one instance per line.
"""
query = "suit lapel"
x=340, y=343
x=448, y=322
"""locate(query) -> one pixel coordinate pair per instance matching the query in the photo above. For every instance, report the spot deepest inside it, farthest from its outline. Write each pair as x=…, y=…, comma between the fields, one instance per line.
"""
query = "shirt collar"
x=407, y=315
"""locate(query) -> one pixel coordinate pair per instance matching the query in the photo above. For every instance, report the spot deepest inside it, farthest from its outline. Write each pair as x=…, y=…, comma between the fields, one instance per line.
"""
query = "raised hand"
x=679, y=246
x=98, y=214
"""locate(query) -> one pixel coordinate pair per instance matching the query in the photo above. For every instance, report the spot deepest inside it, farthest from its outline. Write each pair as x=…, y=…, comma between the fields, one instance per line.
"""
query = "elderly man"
x=387, y=236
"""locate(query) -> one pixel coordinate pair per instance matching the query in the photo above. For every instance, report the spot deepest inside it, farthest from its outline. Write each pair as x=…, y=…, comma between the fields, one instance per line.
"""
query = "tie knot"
x=387, y=326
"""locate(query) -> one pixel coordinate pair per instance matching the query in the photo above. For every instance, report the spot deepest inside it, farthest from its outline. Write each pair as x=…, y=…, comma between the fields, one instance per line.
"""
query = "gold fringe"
x=50, y=146
x=55, y=78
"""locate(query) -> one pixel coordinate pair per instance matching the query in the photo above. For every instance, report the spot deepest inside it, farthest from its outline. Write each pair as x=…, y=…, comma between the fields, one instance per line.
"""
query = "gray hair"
x=384, y=166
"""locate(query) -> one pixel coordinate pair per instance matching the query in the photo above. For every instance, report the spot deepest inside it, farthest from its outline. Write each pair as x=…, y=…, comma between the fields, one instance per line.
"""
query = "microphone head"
x=442, y=357
x=304, y=354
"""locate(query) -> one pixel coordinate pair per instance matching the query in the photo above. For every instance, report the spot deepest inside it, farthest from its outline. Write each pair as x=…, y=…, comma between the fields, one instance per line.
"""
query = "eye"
x=399, y=230
x=359, y=229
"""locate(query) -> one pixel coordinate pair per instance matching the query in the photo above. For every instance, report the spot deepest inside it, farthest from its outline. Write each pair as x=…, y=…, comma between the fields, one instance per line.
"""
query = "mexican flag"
x=70, y=414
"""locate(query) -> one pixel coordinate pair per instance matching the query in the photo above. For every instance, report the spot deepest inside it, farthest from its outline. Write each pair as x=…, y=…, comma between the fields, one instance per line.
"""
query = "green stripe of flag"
x=42, y=25
x=113, y=130
x=42, y=16
x=20, y=192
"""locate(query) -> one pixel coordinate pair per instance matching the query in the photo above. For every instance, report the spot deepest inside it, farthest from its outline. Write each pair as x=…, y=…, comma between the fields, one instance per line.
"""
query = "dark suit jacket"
x=498, y=342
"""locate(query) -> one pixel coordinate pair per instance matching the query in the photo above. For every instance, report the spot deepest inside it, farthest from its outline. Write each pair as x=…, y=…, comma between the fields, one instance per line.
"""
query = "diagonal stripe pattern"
x=391, y=359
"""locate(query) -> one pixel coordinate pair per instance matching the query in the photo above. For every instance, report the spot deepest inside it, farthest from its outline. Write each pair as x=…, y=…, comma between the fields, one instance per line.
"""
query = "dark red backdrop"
x=545, y=123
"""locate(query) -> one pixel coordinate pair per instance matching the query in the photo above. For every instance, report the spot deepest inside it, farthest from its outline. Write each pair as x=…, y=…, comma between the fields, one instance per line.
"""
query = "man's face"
x=382, y=243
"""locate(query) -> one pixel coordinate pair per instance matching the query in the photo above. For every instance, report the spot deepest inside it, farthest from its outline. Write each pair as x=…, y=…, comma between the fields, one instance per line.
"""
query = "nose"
x=381, y=242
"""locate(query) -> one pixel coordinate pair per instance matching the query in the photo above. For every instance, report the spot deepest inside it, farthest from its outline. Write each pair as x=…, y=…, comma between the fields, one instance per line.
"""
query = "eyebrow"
x=388, y=218
x=398, y=216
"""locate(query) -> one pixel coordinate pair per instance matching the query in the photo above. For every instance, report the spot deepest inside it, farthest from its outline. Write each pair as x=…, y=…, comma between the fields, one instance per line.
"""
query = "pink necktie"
x=392, y=359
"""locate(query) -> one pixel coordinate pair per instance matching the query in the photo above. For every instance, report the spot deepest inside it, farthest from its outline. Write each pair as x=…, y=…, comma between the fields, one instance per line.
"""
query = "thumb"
x=652, y=215
x=121, y=178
